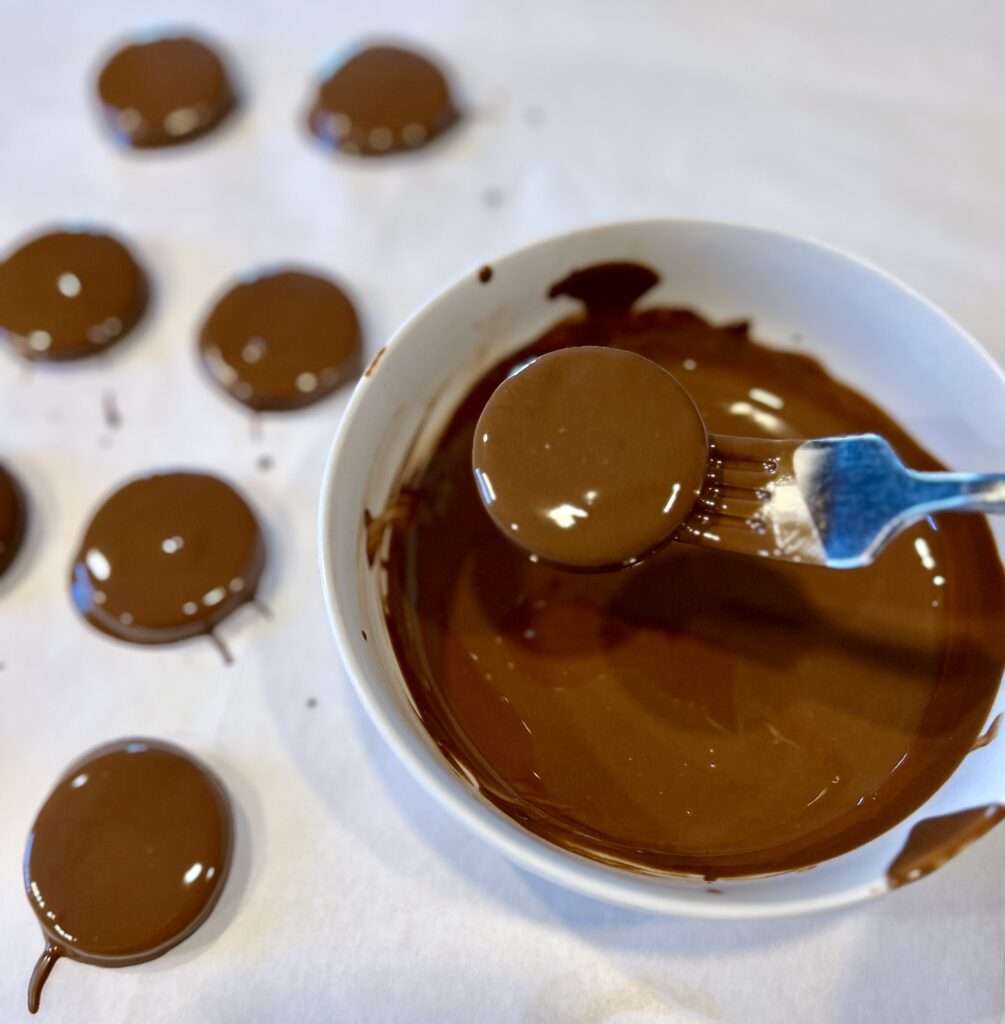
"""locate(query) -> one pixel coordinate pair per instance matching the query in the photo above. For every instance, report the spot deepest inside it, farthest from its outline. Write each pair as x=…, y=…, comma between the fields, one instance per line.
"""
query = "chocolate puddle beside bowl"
x=701, y=712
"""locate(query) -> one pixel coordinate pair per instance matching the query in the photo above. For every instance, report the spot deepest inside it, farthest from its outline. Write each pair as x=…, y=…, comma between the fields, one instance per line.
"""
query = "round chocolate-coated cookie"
x=383, y=99
x=69, y=294
x=167, y=557
x=127, y=857
x=281, y=340
x=164, y=90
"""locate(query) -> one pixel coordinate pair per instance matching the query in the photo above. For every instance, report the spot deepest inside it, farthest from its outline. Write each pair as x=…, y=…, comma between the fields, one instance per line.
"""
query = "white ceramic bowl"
x=865, y=326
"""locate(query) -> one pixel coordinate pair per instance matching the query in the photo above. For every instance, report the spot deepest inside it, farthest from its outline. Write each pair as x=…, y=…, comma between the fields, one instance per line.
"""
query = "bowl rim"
x=520, y=847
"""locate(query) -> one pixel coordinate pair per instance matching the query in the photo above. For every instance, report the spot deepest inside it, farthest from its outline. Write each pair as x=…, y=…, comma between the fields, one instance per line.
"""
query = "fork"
x=832, y=501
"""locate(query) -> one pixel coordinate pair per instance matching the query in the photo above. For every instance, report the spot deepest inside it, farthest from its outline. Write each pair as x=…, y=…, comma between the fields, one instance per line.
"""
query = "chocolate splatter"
x=485, y=274
x=375, y=362
x=492, y=198
x=606, y=289
x=110, y=410
x=400, y=510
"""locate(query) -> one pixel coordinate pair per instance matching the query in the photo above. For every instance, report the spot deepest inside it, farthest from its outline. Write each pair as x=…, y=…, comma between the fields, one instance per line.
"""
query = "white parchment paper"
x=877, y=126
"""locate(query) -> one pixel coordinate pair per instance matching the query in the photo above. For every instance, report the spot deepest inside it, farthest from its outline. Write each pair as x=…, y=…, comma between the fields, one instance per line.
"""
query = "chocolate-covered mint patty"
x=127, y=856
x=589, y=457
x=69, y=294
x=281, y=340
x=164, y=91
x=383, y=99
x=167, y=557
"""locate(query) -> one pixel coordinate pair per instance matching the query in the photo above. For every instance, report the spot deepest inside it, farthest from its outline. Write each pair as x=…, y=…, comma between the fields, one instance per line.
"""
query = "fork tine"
x=743, y=477
x=744, y=504
x=755, y=450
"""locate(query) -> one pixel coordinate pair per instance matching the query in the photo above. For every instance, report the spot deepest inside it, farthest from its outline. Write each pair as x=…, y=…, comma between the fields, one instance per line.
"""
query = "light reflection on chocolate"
x=989, y=735
x=127, y=857
x=167, y=557
x=701, y=712
x=69, y=294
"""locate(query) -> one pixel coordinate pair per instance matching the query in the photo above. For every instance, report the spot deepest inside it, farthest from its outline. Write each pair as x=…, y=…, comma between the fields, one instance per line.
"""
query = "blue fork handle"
x=963, y=492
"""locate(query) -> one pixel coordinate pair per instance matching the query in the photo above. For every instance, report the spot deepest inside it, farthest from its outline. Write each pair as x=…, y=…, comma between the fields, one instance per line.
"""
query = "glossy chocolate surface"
x=164, y=91
x=383, y=99
x=281, y=341
x=698, y=712
x=589, y=457
x=127, y=856
x=167, y=557
x=69, y=294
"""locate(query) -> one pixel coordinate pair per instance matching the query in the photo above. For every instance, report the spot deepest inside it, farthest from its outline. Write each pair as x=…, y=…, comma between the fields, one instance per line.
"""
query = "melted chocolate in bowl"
x=127, y=857
x=167, y=557
x=700, y=712
x=69, y=294
x=164, y=91
x=589, y=457
x=281, y=341
x=13, y=518
x=382, y=100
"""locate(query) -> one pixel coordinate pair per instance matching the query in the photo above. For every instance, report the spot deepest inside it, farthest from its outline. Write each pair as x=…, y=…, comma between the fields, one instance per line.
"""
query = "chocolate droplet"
x=167, y=557
x=127, y=856
x=13, y=518
x=164, y=91
x=281, y=341
x=69, y=294
x=382, y=100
